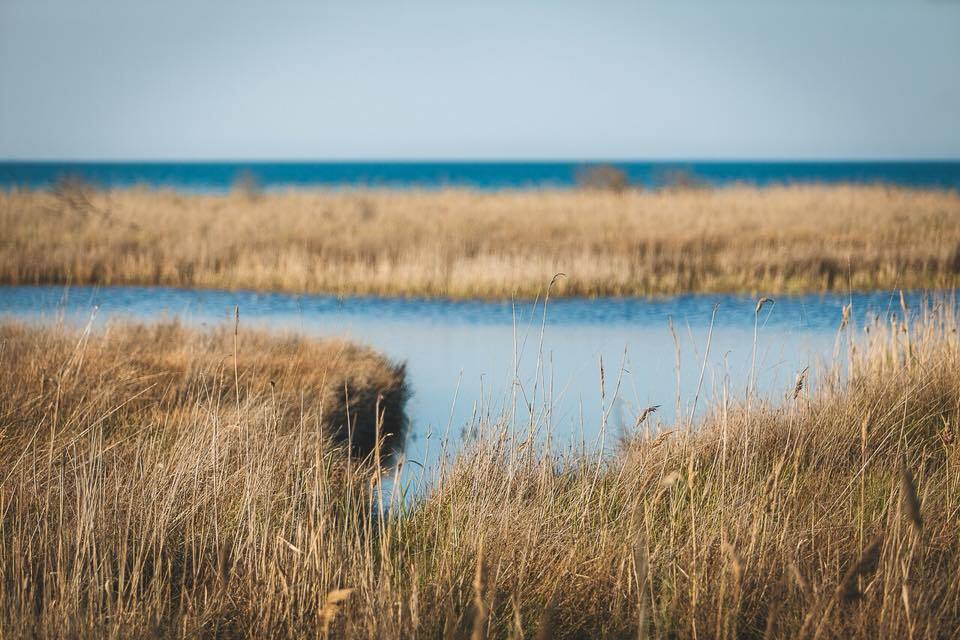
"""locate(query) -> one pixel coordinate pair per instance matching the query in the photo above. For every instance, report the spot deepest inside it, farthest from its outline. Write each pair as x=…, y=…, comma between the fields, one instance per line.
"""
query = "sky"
x=364, y=80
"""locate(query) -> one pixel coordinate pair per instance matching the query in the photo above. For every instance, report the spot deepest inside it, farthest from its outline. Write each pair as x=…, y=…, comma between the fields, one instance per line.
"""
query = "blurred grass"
x=464, y=244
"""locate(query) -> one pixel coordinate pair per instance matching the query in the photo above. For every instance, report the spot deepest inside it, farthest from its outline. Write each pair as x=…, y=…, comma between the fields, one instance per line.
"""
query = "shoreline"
x=662, y=298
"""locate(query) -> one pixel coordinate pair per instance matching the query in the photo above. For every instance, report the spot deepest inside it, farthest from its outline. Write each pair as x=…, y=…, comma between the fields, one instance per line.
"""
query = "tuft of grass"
x=119, y=519
x=147, y=375
x=465, y=244
x=603, y=177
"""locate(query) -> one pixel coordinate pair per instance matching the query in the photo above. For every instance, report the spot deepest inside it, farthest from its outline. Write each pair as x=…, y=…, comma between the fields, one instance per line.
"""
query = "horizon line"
x=531, y=160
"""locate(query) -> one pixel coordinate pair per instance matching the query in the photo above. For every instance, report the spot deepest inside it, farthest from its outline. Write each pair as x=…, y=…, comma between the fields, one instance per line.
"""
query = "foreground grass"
x=488, y=245
x=129, y=514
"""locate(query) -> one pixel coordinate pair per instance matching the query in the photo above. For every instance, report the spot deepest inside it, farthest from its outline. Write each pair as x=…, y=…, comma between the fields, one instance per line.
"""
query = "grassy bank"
x=488, y=245
x=128, y=379
x=833, y=516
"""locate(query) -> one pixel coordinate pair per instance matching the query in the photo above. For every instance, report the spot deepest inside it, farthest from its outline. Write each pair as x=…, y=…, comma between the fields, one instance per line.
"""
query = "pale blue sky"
x=736, y=79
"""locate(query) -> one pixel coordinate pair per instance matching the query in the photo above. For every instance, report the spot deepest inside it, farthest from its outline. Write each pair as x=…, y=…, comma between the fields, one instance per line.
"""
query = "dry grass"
x=832, y=516
x=488, y=245
x=139, y=377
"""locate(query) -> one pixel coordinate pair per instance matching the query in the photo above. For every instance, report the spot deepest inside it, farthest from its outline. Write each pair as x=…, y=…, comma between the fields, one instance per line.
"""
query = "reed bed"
x=464, y=244
x=834, y=515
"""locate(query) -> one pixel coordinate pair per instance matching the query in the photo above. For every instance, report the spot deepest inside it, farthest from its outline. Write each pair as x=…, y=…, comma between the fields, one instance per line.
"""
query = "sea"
x=222, y=176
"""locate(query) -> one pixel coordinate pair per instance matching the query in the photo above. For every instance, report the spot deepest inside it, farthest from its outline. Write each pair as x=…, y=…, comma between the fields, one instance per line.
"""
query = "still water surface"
x=467, y=359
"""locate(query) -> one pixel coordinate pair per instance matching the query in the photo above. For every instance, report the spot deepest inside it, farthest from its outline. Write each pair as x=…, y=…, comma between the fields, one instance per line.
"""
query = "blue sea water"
x=219, y=176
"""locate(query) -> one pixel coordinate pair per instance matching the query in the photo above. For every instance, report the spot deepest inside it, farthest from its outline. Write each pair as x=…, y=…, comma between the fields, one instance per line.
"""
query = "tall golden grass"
x=148, y=375
x=488, y=245
x=831, y=516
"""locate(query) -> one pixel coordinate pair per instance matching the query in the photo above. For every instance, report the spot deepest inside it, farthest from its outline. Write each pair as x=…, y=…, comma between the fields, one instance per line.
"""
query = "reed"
x=123, y=516
x=465, y=244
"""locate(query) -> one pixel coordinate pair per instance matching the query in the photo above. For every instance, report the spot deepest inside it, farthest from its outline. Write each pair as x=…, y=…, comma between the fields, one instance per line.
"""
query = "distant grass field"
x=464, y=244
x=157, y=482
